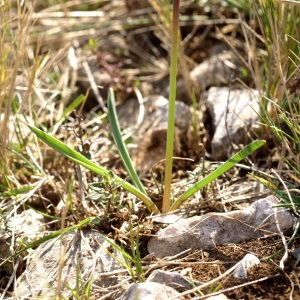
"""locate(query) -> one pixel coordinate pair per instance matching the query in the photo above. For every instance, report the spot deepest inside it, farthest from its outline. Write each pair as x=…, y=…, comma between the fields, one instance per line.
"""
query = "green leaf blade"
x=231, y=162
x=115, y=128
x=83, y=161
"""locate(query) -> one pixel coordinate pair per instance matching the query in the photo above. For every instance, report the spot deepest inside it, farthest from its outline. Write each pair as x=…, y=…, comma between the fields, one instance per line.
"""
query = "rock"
x=218, y=297
x=207, y=231
x=219, y=69
x=247, y=263
x=29, y=224
x=172, y=279
x=155, y=114
x=234, y=117
x=167, y=218
x=296, y=254
x=150, y=291
x=151, y=133
x=86, y=255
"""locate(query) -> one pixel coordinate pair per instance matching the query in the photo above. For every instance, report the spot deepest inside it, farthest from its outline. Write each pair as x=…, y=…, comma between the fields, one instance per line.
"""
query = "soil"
x=265, y=281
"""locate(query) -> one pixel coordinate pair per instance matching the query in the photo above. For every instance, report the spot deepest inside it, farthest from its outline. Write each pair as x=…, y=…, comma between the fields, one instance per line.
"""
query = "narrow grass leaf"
x=127, y=257
x=87, y=289
x=16, y=192
x=231, y=162
x=22, y=157
x=72, y=106
x=116, y=132
x=41, y=213
x=281, y=195
x=118, y=248
x=80, y=159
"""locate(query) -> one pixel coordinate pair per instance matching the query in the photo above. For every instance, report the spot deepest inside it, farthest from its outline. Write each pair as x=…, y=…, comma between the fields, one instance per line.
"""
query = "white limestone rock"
x=172, y=279
x=85, y=254
x=234, y=116
x=150, y=135
x=150, y=291
x=204, y=232
x=28, y=224
x=246, y=264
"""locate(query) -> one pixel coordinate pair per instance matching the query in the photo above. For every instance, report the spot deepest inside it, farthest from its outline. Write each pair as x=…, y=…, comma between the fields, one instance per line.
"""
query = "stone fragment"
x=246, y=264
x=219, y=69
x=150, y=291
x=296, y=254
x=154, y=114
x=218, y=297
x=207, y=231
x=28, y=224
x=234, y=117
x=152, y=131
x=172, y=279
x=167, y=218
x=83, y=253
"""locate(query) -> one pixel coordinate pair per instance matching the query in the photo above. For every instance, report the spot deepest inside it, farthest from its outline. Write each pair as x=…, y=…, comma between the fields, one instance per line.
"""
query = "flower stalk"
x=171, y=110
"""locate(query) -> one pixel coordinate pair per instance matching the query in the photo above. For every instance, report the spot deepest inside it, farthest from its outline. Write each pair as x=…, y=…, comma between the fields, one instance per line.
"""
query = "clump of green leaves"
x=106, y=191
x=132, y=263
x=137, y=188
x=134, y=188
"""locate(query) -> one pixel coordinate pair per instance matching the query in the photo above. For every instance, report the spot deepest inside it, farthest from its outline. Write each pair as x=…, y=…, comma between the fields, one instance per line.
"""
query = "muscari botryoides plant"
x=136, y=187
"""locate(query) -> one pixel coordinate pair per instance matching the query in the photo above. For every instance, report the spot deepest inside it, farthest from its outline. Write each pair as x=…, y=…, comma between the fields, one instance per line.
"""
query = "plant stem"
x=171, y=112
